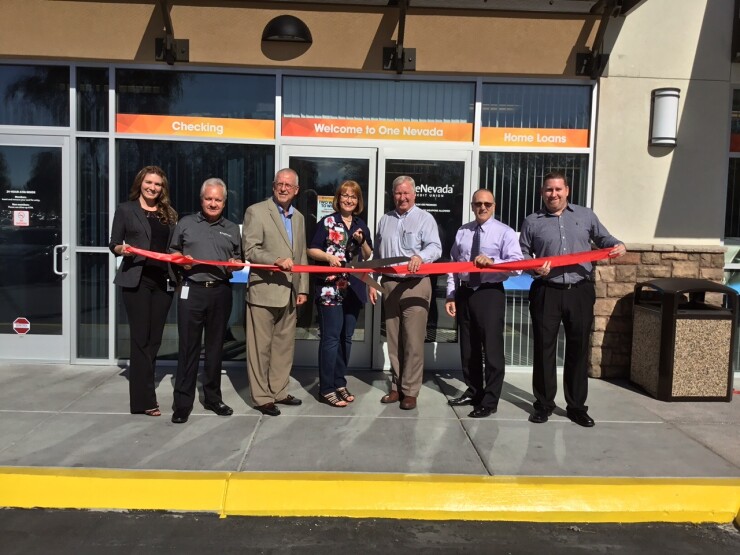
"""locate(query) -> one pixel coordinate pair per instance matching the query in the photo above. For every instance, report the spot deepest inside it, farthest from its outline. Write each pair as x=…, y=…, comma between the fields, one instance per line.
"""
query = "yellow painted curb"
x=535, y=499
x=67, y=488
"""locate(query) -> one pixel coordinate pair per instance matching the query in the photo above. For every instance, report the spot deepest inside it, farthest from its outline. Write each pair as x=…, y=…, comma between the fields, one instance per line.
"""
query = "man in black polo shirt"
x=204, y=299
x=562, y=294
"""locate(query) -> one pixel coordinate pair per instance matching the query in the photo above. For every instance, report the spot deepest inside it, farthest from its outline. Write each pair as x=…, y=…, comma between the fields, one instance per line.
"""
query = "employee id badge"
x=184, y=291
x=170, y=286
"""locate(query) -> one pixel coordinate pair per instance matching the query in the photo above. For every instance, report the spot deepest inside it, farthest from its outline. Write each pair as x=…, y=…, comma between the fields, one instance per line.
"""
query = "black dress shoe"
x=290, y=400
x=581, y=418
x=180, y=416
x=540, y=416
x=269, y=409
x=460, y=401
x=481, y=412
x=219, y=408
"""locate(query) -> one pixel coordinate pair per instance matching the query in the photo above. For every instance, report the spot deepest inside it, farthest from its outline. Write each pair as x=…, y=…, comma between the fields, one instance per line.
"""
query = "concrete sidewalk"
x=66, y=436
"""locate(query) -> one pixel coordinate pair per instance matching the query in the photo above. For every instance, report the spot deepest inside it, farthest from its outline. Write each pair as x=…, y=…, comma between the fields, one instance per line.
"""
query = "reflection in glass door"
x=441, y=190
x=320, y=172
x=34, y=249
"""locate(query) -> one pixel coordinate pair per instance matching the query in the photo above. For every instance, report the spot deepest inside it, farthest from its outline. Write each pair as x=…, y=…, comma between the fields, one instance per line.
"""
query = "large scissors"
x=376, y=263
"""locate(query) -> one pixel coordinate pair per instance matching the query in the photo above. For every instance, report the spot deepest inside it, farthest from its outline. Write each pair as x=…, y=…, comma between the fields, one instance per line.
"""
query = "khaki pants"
x=270, y=347
x=406, y=305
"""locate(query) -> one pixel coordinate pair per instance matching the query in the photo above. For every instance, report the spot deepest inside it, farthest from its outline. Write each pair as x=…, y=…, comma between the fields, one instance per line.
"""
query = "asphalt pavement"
x=30, y=532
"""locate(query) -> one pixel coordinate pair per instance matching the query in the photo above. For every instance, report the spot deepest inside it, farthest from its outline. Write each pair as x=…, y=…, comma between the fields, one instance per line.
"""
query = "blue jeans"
x=336, y=326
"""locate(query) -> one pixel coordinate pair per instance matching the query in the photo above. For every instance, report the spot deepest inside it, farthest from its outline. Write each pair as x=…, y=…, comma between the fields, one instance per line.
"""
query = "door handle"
x=55, y=256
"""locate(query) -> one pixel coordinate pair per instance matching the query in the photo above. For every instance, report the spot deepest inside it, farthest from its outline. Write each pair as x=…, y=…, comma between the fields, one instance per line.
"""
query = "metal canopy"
x=398, y=58
x=593, y=7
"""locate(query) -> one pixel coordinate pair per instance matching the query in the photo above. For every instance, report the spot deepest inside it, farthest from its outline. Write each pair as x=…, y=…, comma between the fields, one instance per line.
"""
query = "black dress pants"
x=146, y=307
x=206, y=308
x=574, y=307
x=480, y=317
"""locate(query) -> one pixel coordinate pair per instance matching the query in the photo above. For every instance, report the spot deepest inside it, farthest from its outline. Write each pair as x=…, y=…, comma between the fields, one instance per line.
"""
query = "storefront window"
x=92, y=192
x=92, y=305
x=34, y=95
x=536, y=106
x=732, y=215
x=373, y=99
x=247, y=171
x=179, y=93
x=92, y=99
x=515, y=179
x=377, y=109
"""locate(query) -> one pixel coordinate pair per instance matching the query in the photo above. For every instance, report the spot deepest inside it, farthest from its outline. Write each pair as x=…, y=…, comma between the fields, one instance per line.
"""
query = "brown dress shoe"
x=392, y=397
x=408, y=402
x=269, y=409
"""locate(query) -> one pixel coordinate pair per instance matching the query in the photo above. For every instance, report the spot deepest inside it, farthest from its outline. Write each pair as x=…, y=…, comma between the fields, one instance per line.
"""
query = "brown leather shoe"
x=269, y=409
x=408, y=403
x=392, y=397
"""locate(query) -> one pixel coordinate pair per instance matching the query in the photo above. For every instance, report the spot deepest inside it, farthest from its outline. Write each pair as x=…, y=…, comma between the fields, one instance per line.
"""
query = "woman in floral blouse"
x=340, y=238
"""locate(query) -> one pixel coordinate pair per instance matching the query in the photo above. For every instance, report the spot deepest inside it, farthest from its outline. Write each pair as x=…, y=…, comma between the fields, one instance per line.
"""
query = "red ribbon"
x=429, y=269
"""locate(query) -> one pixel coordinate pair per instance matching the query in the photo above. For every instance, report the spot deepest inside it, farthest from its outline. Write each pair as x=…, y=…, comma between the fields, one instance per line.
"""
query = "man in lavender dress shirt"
x=479, y=302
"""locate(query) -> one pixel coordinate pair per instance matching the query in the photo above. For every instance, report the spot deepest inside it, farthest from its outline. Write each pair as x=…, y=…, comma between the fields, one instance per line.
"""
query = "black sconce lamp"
x=287, y=28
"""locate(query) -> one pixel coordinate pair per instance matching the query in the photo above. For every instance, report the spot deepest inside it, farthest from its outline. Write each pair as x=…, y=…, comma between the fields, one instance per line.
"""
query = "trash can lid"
x=687, y=285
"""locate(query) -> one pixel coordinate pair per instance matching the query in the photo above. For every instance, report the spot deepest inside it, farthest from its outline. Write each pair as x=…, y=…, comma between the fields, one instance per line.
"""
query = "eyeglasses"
x=283, y=185
x=345, y=196
x=479, y=204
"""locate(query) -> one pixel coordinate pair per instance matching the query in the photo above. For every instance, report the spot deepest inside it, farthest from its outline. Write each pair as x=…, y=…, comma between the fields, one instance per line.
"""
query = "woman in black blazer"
x=146, y=221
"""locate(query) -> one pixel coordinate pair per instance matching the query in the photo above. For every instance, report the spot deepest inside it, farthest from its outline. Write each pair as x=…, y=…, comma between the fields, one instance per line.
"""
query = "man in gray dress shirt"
x=204, y=299
x=406, y=231
x=564, y=294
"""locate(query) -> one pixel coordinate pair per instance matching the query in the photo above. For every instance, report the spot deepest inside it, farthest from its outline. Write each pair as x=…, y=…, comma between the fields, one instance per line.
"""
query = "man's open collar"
x=201, y=217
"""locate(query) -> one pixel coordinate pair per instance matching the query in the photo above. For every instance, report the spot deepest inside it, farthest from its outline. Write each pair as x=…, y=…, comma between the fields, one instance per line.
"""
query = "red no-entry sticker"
x=21, y=326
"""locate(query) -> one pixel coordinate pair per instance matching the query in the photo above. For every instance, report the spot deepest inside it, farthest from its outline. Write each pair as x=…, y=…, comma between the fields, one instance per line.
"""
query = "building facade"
x=458, y=94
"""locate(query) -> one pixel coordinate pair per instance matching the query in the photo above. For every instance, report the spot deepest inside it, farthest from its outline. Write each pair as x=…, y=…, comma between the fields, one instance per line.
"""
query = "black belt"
x=404, y=278
x=487, y=285
x=555, y=285
x=209, y=284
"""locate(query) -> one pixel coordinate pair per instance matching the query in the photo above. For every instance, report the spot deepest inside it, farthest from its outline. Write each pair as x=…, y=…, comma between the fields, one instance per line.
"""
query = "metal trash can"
x=682, y=347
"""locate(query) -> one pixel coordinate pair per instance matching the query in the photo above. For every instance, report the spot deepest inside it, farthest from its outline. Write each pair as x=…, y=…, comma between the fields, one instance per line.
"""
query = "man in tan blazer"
x=274, y=233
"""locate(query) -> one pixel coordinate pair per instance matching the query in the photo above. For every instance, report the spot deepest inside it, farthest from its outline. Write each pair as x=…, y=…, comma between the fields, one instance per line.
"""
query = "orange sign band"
x=735, y=142
x=517, y=136
x=189, y=126
x=377, y=129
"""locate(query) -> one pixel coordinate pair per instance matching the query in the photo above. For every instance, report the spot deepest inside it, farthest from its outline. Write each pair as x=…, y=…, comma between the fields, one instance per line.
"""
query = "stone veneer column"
x=611, y=340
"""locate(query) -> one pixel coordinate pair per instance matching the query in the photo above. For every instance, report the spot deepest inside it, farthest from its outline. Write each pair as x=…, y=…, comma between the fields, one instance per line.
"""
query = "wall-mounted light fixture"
x=664, y=116
x=169, y=49
x=286, y=28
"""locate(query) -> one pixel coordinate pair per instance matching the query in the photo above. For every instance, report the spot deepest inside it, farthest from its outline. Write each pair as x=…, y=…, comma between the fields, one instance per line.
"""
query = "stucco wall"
x=344, y=38
x=655, y=194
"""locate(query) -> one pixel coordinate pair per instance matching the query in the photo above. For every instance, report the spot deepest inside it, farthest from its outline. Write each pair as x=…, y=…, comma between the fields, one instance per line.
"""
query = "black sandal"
x=345, y=395
x=332, y=400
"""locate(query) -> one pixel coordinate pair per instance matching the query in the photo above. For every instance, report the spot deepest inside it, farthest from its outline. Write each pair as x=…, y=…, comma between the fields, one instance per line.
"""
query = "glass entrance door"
x=34, y=248
x=320, y=171
x=442, y=188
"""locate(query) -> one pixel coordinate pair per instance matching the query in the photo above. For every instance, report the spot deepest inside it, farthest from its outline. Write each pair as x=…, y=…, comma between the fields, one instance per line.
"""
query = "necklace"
x=347, y=221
